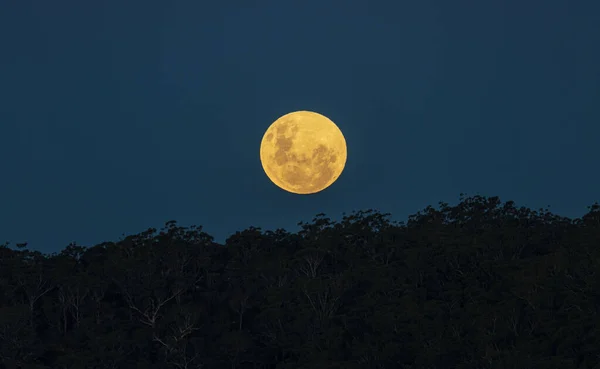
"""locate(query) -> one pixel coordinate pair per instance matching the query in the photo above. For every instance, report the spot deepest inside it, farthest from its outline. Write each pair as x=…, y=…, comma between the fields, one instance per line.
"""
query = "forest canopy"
x=483, y=284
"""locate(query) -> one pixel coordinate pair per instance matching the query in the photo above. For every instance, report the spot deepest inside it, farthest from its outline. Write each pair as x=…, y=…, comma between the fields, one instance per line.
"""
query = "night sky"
x=117, y=116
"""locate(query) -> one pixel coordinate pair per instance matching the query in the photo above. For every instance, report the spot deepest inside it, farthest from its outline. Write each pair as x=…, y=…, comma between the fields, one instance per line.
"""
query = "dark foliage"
x=483, y=284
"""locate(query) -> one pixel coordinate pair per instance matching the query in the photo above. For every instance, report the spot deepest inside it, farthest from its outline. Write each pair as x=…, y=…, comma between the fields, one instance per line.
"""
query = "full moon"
x=303, y=152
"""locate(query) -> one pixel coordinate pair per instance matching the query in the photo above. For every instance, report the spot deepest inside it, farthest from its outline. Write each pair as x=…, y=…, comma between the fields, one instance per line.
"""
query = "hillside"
x=483, y=284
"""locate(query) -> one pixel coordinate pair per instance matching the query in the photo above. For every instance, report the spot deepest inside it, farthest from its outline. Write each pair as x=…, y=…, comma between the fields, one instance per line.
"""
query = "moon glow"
x=303, y=152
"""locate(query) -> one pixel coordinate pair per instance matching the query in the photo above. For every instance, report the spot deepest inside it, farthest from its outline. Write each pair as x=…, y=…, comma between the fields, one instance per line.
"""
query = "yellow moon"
x=303, y=152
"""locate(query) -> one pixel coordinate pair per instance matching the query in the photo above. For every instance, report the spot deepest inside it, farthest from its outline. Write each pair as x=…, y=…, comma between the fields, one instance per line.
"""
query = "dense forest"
x=483, y=284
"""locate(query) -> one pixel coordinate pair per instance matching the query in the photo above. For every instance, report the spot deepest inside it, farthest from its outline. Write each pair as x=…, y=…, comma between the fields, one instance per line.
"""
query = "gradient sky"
x=117, y=116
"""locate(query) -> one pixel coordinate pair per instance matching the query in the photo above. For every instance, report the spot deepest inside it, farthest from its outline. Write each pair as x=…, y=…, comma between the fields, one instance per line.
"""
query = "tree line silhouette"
x=483, y=284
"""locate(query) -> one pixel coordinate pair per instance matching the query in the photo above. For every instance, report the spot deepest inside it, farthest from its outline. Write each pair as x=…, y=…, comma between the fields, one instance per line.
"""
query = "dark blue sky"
x=116, y=116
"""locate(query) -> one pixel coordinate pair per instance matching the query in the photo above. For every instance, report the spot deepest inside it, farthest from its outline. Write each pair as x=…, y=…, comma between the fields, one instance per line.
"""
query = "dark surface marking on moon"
x=283, y=145
x=322, y=156
x=296, y=177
